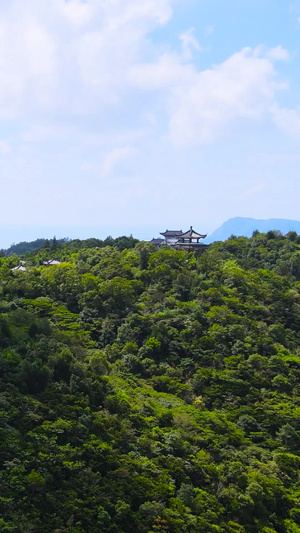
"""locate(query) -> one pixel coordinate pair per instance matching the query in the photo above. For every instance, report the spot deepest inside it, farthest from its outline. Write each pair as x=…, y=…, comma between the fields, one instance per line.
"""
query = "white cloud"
x=287, y=120
x=42, y=133
x=147, y=14
x=71, y=56
x=278, y=54
x=115, y=158
x=189, y=43
x=28, y=64
x=166, y=73
x=77, y=13
x=99, y=103
x=5, y=148
x=84, y=58
x=202, y=105
x=243, y=87
x=254, y=189
x=209, y=31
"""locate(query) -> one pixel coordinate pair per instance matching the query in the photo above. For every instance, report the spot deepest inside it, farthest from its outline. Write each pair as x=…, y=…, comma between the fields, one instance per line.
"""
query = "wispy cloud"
x=278, y=54
x=189, y=43
x=77, y=58
x=243, y=87
x=202, y=105
x=287, y=120
x=4, y=147
x=209, y=30
x=71, y=56
x=116, y=159
x=93, y=93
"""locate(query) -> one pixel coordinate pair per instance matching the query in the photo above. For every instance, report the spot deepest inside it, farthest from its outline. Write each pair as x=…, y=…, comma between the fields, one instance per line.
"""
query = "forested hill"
x=146, y=391
x=26, y=247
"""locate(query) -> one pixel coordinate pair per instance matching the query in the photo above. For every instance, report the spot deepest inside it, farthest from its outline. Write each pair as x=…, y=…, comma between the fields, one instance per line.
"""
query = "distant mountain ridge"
x=121, y=243
x=245, y=226
x=24, y=247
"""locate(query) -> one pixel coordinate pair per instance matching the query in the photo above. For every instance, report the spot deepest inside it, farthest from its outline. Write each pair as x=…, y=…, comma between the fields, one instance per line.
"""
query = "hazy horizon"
x=15, y=234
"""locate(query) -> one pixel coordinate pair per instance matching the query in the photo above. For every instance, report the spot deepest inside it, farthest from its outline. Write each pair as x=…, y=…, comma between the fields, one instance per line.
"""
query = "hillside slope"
x=146, y=391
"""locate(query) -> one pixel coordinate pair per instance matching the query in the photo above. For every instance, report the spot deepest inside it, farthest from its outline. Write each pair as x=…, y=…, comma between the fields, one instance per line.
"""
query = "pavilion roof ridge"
x=171, y=232
x=192, y=234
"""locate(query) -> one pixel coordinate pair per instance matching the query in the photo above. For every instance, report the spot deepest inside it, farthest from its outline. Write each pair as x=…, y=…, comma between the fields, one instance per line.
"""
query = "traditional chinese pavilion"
x=171, y=236
x=190, y=240
x=158, y=243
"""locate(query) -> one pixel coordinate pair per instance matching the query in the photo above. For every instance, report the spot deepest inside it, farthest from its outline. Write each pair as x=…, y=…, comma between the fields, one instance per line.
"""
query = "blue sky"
x=130, y=116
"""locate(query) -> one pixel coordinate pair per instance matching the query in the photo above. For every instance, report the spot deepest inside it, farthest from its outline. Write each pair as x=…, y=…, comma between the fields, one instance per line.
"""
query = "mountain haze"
x=245, y=226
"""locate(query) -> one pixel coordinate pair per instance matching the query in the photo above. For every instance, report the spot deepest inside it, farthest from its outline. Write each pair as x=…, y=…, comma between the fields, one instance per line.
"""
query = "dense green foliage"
x=25, y=247
x=146, y=391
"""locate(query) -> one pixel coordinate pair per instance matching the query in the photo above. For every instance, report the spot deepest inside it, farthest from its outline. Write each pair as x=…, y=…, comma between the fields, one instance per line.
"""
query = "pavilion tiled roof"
x=157, y=241
x=172, y=233
x=51, y=262
x=20, y=267
x=191, y=234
